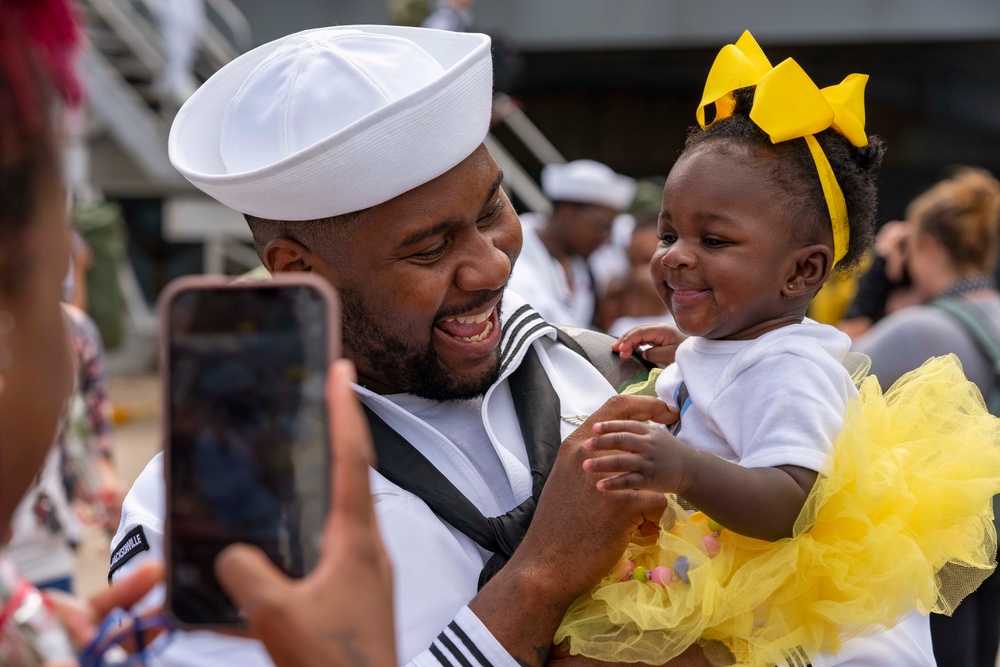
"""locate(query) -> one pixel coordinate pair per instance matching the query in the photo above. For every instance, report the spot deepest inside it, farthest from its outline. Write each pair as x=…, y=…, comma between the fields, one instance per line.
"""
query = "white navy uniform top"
x=541, y=277
x=435, y=567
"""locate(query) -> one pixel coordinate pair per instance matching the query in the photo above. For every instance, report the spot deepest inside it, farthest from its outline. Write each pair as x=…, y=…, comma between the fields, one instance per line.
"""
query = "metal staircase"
x=123, y=60
x=507, y=113
x=123, y=57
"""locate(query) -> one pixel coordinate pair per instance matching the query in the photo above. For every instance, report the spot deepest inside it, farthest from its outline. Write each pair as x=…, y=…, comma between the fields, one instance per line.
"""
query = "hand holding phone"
x=341, y=613
x=247, y=442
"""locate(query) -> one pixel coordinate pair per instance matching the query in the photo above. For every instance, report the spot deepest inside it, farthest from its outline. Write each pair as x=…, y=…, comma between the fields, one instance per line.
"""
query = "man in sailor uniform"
x=554, y=268
x=356, y=153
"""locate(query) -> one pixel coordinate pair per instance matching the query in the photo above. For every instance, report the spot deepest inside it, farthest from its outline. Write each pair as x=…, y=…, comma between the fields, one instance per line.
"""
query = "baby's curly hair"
x=794, y=170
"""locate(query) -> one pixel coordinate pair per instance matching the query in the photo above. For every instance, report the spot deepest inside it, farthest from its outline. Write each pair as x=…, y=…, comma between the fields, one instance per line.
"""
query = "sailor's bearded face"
x=408, y=360
x=421, y=283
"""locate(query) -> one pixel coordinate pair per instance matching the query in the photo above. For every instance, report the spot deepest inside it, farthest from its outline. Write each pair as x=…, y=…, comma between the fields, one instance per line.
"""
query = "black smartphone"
x=246, y=454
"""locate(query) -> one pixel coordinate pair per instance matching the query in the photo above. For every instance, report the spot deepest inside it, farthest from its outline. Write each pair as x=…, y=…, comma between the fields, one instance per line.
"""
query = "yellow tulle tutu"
x=901, y=520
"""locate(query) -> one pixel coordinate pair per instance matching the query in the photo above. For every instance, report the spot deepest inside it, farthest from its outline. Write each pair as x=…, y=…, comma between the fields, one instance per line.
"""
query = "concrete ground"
x=136, y=399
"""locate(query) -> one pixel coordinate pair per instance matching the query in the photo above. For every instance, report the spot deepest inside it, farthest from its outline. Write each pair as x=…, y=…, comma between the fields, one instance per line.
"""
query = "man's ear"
x=811, y=269
x=286, y=255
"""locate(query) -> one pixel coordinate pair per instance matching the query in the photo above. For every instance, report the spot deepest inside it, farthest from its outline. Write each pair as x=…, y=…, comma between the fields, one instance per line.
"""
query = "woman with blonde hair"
x=952, y=249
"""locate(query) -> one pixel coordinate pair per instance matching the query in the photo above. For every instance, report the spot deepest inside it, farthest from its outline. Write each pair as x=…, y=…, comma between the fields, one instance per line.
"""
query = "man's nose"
x=486, y=267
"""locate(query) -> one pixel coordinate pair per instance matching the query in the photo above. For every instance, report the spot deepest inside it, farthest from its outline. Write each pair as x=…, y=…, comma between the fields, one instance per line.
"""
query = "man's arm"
x=575, y=538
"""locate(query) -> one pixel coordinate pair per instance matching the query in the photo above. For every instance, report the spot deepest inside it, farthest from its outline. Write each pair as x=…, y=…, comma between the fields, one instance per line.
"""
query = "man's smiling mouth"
x=471, y=328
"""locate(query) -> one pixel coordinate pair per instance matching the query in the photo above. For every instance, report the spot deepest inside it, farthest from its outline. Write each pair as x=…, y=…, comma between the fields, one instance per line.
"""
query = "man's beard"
x=411, y=369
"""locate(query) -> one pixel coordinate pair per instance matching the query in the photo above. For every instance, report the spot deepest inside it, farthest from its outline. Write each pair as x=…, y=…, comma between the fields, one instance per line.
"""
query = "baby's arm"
x=757, y=502
x=663, y=338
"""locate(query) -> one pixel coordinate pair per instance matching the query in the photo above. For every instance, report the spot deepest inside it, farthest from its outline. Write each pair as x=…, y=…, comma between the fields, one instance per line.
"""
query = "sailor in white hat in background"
x=356, y=153
x=553, y=270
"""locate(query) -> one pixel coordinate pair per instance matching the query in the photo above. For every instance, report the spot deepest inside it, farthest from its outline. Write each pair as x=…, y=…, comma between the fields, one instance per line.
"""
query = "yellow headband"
x=788, y=105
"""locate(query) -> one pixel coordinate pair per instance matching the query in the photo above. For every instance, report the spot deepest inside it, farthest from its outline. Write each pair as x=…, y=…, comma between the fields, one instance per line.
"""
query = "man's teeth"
x=486, y=332
x=470, y=319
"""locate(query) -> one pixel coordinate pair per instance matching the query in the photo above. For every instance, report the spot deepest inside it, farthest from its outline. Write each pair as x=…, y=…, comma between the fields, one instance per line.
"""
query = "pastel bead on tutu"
x=712, y=545
x=661, y=575
x=902, y=520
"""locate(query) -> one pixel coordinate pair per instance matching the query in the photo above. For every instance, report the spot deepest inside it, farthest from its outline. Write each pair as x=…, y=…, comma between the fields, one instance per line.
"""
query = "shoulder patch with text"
x=133, y=544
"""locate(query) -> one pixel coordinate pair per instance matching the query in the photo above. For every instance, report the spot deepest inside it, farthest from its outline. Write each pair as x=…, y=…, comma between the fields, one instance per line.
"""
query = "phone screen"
x=248, y=455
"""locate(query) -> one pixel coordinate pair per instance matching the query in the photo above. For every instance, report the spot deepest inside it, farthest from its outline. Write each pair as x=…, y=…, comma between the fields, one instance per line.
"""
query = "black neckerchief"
x=537, y=407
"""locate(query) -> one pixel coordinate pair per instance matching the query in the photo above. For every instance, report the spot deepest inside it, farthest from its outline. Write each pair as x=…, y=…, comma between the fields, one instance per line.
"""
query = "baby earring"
x=790, y=288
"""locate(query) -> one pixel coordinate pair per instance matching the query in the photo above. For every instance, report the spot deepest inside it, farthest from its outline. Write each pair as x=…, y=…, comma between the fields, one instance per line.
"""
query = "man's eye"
x=492, y=213
x=434, y=253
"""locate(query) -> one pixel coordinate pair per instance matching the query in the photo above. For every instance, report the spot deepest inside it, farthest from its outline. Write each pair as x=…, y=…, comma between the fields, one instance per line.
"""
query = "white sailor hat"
x=587, y=182
x=335, y=120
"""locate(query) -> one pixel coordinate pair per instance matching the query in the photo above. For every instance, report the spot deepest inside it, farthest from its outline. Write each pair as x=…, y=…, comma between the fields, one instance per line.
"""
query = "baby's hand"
x=637, y=455
x=662, y=338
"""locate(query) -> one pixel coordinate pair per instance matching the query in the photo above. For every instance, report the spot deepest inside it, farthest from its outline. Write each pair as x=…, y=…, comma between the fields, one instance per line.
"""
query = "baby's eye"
x=667, y=238
x=712, y=242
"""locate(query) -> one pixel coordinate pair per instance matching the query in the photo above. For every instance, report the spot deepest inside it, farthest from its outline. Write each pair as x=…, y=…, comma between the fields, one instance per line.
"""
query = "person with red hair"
x=303, y=621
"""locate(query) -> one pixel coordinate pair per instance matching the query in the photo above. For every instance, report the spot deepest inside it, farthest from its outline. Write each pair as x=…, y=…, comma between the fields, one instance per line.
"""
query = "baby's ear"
x=811, y=268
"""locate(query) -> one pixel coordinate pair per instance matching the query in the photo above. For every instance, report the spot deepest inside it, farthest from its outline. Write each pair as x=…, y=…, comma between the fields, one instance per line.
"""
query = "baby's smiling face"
x=728, y=247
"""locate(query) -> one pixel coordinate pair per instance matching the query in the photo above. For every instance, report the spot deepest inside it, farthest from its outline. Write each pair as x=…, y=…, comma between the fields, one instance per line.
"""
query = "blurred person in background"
x=81, y=259
x=609, y=264
x=43, y=530
x=951, y=245
x=301, y=622
x=885, y=286
x=638, y=301
x=613, y=264
x=454, y=15
x=86, y=441
x=552, y=271
x=629, y=298
x=79, y=477
x=180, y=22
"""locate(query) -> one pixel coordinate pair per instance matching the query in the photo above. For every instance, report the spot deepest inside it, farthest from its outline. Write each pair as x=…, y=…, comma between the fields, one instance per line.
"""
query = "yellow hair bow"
x=788, y=105
x=737, y=66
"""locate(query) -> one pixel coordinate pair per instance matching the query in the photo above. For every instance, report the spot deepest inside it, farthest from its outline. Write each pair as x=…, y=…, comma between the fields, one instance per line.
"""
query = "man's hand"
x=663, y=340
x=575, y=538
x=580, y=532
x=341, y=613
